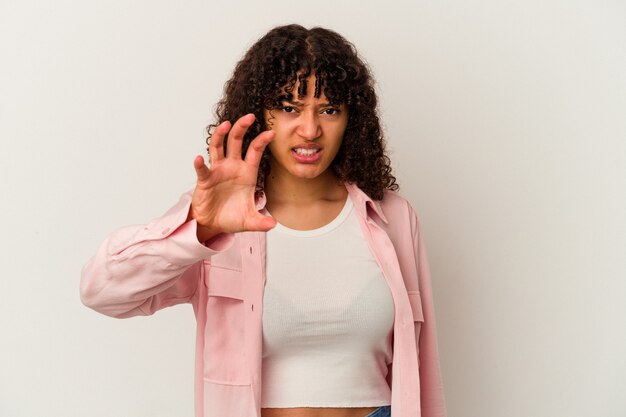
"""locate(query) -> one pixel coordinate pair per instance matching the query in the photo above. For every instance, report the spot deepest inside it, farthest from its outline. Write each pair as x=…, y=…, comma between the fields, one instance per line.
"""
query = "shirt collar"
x=362, y=202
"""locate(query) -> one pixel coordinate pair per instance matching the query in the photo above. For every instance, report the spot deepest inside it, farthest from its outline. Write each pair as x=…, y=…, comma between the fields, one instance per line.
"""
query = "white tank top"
x=327, y=319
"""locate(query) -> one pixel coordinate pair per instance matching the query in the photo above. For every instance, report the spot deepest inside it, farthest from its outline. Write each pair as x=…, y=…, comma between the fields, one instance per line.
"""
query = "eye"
x=288, y=109
x=331, y=111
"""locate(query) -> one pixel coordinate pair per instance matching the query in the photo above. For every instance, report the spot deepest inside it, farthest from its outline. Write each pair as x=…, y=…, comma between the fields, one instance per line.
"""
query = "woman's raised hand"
x=223, y=200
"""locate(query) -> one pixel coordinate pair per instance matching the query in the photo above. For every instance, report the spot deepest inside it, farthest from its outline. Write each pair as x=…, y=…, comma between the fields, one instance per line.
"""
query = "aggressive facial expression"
x=308, y=134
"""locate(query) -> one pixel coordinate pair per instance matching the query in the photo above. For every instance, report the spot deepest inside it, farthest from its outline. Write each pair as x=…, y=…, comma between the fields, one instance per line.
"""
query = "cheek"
x=272, y=146
x=339, y=134
x=334, y=150
x=278, y=149
x=280, y=128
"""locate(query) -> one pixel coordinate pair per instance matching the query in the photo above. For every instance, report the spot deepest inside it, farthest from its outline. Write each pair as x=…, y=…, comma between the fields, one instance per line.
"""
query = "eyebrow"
x=298, y=103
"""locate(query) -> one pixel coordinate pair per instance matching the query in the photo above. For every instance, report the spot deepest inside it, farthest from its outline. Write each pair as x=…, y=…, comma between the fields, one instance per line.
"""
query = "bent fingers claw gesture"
x=223, y=199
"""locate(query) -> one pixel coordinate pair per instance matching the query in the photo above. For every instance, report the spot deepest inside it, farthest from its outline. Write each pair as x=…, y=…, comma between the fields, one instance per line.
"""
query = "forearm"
x=140, y=269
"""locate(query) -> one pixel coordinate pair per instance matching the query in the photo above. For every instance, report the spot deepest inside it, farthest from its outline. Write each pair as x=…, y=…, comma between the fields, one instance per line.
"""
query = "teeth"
x=306, y=152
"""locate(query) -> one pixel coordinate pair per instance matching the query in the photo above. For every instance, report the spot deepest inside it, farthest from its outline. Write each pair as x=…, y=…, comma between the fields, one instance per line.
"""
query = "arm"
x=138, y=270
x=431, y=393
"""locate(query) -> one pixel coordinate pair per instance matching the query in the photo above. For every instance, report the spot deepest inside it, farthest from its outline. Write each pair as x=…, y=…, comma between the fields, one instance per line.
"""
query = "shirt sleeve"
x=431, y=391
x=140, y=269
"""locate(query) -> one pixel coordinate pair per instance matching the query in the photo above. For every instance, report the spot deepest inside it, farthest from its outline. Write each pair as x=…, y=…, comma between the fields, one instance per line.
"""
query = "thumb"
x=202, y=171
x=260, y=222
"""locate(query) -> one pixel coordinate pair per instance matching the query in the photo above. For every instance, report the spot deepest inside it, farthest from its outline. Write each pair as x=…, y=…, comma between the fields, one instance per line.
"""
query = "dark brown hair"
x=267, y=75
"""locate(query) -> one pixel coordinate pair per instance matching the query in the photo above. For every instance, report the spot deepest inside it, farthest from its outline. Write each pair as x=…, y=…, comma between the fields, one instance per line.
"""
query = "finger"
x=257, y=146
x=202, y=171
x=235, y=137
x=216, y=144
x=260, y=222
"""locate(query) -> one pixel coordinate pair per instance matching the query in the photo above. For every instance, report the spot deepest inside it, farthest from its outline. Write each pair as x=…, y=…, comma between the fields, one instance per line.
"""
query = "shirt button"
x=164, y=231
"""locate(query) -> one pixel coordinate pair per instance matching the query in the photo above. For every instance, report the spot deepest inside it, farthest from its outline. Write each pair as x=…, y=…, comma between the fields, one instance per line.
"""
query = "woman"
x=305, y=269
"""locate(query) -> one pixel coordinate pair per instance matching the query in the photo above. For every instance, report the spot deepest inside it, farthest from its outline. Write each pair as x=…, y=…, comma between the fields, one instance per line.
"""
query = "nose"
x=309, y=127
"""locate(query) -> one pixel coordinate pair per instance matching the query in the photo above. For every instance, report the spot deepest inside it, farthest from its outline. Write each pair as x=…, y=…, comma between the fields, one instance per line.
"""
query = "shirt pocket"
x=224, y=342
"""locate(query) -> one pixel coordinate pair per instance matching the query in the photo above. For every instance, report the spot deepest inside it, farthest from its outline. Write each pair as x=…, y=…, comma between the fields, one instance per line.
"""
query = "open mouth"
x=307, y=155
x=306, y=152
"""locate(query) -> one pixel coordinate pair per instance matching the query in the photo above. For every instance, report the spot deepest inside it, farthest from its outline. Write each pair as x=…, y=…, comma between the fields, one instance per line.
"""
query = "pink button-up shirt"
x=141, y=269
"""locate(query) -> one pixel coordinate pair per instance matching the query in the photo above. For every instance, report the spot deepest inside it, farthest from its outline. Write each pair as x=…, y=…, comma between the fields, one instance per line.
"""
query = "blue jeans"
x=384, y=411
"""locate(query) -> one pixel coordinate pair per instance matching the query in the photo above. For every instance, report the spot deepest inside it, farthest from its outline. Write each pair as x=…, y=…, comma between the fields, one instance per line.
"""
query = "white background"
x=506, y=125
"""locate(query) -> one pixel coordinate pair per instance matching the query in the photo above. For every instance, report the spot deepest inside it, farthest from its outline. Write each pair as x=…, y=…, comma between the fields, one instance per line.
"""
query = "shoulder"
x=393, y=211
x=395, y=205
x=403, y=221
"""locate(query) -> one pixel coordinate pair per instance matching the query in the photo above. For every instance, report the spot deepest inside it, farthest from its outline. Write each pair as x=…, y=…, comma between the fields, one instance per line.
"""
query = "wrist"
x=205, y=233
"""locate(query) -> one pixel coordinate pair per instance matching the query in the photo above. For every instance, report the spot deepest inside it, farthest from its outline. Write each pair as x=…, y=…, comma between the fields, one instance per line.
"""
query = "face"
x=308, y=134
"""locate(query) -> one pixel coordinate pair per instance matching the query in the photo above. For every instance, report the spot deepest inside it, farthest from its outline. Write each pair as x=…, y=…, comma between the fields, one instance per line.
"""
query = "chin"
x=307, y=176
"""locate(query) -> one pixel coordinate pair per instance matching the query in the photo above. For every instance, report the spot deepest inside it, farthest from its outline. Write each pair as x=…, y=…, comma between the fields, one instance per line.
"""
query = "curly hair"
x=266, y=76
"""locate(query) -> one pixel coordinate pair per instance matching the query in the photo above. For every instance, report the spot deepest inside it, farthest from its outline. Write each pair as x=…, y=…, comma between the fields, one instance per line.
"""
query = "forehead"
x=293, y=86
x=303, y=89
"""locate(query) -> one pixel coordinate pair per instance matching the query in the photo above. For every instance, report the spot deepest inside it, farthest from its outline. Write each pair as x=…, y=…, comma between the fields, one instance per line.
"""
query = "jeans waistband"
x=384, y=411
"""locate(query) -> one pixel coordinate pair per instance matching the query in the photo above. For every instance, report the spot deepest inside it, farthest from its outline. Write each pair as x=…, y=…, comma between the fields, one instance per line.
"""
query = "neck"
x=293, y=190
